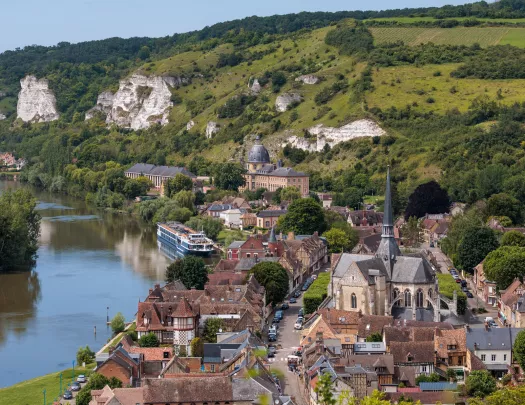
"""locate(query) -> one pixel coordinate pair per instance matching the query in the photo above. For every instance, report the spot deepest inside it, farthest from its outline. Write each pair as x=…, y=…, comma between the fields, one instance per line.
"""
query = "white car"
x=81, y=378
x=298, y=325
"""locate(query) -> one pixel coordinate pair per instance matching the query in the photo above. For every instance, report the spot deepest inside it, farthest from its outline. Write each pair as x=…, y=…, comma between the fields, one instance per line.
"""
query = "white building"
x=231, y=218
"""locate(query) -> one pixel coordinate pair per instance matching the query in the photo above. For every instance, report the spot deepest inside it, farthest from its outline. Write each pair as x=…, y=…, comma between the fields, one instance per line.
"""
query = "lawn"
x=454, y=36
x=30, y=392
x=417, y=86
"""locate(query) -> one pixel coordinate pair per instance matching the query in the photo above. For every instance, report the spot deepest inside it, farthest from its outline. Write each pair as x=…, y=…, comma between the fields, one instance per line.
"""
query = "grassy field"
x=402, y=85
x=30, y=392
x=409, y=20
x=454, y=36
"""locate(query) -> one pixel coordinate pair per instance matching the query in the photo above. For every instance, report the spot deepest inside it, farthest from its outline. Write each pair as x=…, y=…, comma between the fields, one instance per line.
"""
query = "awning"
x=502, y=316
x=497, y=367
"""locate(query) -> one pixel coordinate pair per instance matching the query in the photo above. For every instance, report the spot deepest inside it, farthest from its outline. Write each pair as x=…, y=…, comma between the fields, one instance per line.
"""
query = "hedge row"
x=447, y=285
x=316, y=294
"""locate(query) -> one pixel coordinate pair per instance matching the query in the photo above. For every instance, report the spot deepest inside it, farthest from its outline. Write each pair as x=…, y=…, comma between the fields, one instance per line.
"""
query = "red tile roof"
x=183, y=310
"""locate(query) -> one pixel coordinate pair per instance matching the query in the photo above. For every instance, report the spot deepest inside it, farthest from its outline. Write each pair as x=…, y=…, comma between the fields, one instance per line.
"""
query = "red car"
x=458, y=280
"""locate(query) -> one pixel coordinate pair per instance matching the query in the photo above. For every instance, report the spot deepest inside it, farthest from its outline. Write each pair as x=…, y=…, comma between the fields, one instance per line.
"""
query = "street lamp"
x=73, y=376
x=44, y=392
x=107, y=314
x=60, y=393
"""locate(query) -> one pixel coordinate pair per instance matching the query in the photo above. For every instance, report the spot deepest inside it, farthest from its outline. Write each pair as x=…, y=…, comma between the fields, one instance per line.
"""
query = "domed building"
x=261, y=173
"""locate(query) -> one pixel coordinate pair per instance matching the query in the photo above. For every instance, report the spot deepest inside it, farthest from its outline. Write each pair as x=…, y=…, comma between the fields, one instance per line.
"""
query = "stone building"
x=261, y=173
x=387, y=283
x=158, y=175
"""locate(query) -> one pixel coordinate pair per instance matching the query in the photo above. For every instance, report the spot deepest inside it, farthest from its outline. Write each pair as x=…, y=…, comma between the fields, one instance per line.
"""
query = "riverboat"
x=185, y=240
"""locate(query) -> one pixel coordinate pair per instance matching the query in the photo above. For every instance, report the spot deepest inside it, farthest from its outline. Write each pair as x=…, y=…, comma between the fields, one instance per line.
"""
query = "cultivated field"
x=454, y=36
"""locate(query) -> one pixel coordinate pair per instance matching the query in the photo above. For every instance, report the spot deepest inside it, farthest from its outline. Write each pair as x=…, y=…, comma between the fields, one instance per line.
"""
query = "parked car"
x=285, y=306
x=293, y=300
x=276, y=319
x=304, y=287
x=297, y=294
x=469, y=294
x=271, y=351
x=298, y=325
x=463, y=283
x=464, y=289
x=458, y=280
x=279, y=314
x=301, y=311
x=75, y=386
x=67, y=395
x=81, y=378
x=314, y=277
x=431, y=244
x=272, y=330
x=272, y=337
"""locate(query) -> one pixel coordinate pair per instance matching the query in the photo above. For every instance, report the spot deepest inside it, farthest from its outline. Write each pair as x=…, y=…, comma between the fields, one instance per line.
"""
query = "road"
x=287, y=343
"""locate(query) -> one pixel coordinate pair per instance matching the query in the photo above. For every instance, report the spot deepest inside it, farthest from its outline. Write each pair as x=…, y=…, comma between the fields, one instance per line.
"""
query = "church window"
x=419, y=299
x=408, y=298
x=395, y=295
x=430, y=293
x=354, y=301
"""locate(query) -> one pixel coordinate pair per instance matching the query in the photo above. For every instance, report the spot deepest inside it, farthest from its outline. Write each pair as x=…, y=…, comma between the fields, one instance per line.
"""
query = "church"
x=388, y=282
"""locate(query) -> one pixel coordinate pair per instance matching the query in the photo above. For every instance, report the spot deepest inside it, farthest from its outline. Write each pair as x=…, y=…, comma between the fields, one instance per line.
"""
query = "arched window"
x=395, y=296
x=420, y=303
x=430, y=293
x=354, y=301
x=408, y=298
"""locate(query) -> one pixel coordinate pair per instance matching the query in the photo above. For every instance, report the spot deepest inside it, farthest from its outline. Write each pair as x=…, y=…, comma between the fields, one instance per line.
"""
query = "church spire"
x=272, y=238
x=388, y=222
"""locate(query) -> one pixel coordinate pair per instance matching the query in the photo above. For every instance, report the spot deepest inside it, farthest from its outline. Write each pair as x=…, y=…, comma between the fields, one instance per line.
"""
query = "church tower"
x=388, y=249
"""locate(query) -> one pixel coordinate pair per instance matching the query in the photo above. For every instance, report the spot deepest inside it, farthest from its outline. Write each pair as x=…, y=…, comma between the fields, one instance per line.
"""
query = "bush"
x=85, y=355
x=447, y=286
x=149, y=340
x=316, y=294
x=118, y=323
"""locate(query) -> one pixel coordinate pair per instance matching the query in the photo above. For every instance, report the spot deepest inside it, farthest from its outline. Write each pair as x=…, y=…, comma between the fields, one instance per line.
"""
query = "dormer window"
x=452, y=347
x=410, y=358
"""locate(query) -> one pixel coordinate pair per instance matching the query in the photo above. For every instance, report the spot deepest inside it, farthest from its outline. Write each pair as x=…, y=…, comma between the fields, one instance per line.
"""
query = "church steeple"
x=388, y=249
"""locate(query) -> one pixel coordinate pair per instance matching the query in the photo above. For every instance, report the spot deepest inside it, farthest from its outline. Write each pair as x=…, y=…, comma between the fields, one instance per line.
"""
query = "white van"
x=272, y=331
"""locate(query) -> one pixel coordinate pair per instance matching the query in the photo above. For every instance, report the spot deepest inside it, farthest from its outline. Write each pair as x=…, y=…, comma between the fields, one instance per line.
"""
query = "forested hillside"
x=452, y=109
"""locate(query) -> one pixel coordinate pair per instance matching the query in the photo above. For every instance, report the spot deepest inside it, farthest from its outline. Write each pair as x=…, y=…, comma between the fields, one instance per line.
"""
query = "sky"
x=47, y=22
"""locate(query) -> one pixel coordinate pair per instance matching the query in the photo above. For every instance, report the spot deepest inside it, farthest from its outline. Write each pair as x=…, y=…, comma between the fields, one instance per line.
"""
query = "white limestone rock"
x=285, y=99
x=2, y=117
x=104, y=105
x=190, y=125
x=36, y=102
x=211, y=129
x=256, y=87
x=139, y=102
x=333, y=136
x=308, y=79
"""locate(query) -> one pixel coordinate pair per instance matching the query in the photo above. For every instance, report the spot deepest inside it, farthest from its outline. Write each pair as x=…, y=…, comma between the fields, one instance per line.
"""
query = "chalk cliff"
x=333, y=136
x=211, y=129
x=284, y=100
x=308, y=79
x=36, y=102
x=139, y=102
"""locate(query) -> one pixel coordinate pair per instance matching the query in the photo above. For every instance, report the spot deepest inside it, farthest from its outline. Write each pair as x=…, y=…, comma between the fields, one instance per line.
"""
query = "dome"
x=258, y=153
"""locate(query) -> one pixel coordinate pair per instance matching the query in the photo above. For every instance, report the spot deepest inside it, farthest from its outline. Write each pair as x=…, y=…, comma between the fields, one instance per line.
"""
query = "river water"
x=87, y=261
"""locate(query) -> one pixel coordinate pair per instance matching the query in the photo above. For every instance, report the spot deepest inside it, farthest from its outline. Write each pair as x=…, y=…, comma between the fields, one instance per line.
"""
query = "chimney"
x=291, y=236
x=150, y=291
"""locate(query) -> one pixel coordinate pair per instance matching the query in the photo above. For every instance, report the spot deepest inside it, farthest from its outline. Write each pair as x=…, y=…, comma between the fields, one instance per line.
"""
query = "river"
x=87, y=261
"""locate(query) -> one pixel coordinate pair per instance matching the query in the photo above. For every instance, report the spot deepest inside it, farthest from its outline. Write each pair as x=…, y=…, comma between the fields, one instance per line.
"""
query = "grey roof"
x=236, y=244
x=414, y=270
x=497, y=367
x=248, y=389
x=258, y=153
x=491, y=339
x=438, y=386
x=249, y=262
x=164, y=171
x=346, y=260
x=219, y=207
x=271, y=213
x=216, y=352
x=369, y=347
x=287, y=172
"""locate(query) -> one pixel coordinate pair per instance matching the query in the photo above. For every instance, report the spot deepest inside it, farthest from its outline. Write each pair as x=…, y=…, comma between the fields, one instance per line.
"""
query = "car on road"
x=458, y=280
x=298, y=324
x=279, y=314
x=285, y=306
x=463, y=283
x=273, y=329
x=304, y=287
x=297, y=294
x=271, y=351
x=276, y=319
x=464, y=289
x=469, y=294
x=81, y=378
x=293, y=300
x=272, y=337
x=75, y=386
x=301, y=311
x=314, y=277
x=67, y=395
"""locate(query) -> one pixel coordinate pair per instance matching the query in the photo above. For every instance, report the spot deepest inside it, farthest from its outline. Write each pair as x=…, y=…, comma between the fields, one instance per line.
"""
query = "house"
x=512, y=305
x=215, y=209
x=158, y=175
x=311, y=251
x=372, y=324
x=121, y=365
x=343, y=211
x=380, y=364
x=232, y=218
x=485, y=289
x=365, y=218
x=326, y=199
x=233, y=249
x=451, y=351
x=457, y=208
x=153, y=359
x=248, y=220
x=268, y=218
x=493, y=346
x=237, y=202
x=411, y=360
x=435, y=226
x=117, y=396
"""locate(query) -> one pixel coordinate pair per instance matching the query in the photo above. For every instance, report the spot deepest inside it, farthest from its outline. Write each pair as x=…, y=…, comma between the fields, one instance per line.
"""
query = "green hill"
x=447, y=90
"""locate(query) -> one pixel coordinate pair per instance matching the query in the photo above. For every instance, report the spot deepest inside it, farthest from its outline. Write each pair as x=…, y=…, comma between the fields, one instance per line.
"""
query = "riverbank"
x=30, y=392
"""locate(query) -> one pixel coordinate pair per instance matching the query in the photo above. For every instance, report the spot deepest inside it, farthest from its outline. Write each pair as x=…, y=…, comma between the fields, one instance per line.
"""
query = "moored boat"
x=186, y=240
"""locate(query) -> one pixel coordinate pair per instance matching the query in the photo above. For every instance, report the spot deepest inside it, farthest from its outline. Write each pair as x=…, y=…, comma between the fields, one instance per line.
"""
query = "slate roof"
x=369, y=362
x=258, y=153
x=236, y=244
x=164, y=171
x=216, y=352
x=188, y=389
x=287, y=172
x=345, y=260
x=271, y=213
x=491, y=339
x=421, y=352
x=250, y=389
x=248, y=262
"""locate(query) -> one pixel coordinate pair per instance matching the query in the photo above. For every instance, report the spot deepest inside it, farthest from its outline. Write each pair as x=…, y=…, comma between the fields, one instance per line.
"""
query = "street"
x=287, y=343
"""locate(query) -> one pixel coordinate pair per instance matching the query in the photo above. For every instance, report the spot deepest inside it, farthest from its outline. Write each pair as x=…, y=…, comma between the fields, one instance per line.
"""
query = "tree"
x=305, y=216
x=427, y=198
x=451, y=374
x=513, y=238
x=96, y=382
x=190, y=270
x=337, y=240
x=427, y=378
x=480, y=383
x=212, y=326
x=149, y=340
x=377, y=398
x=351, y=233
x=185, y=199
x=375, y=337
x=229, y=176
x=506, y=396
x=211, y=226
x=197, y=347
x=85, y=355
x=178, y=183
x=290, y=194
x=324, y=390
x=274, y=278
x=505, y=264
x=504, y=205
x=331, y=217
x=412, y=231
x=519, y=349
x=475, y=245
x=118, y=323
x=19, y=230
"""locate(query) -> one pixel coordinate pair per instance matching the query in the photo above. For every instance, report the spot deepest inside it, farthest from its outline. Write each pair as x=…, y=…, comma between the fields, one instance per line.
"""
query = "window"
x=419, y=299
x=395, y=296
x=408, y=298
x=451, y=347
x=212, y=368
x=493, y=357
x=410, y=358
x=483, y=357
x=423, y=369
x=376, y=346
x=504, y=357
x=354, y=301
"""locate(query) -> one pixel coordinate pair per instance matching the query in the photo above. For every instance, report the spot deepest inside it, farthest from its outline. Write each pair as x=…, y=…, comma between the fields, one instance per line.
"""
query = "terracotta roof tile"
x=196, y=389
x=152, y=353
x=445, y=338
x=370, y=324
x=412, y=352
